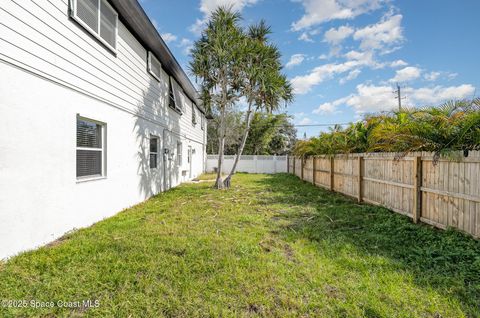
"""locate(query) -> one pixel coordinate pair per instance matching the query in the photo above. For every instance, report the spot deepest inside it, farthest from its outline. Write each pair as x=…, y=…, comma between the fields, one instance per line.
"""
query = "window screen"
x=99, y=18
x=108, y=23
x=171, y=96
x=89, y=148
x=154, y=66
x=194, y=115
x=153, y=152
x=87, y=11
x=176, y=95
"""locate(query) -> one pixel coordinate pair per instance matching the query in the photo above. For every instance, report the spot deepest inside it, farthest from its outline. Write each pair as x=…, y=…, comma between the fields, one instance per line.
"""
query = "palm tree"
x=261, y=81
x=216, y=62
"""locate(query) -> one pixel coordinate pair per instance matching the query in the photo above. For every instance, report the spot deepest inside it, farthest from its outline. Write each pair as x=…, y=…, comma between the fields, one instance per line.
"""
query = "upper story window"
x=154, y=66
x=194, y=115
x=99, y=18
x=174, y=96
x=90, y=148
x=202, y=121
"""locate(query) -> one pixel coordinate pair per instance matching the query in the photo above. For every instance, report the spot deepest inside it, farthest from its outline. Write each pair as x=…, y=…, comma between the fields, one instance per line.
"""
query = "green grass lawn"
x=272, y=246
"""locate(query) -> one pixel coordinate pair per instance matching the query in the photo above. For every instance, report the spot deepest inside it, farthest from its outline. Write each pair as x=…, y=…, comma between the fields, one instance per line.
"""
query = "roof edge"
x=136, y=20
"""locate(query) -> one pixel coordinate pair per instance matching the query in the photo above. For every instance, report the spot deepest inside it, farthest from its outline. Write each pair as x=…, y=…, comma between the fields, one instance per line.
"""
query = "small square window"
x=90, y=148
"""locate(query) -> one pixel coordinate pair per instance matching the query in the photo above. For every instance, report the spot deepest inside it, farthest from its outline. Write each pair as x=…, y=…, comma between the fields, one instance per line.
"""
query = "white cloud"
x=406, y=74
x=371, y=98
x=305, y=121
x=330, y=108
x=438, y=94
x=169, y=37
x=307, y=35
x=208, y=6
x=303, y=84
x=383, y=36
x=398, y=63
x=336, y=36
x=186, y=45
x=351, y=76
x=432, y=76
x=295, y=60
x=320, y=11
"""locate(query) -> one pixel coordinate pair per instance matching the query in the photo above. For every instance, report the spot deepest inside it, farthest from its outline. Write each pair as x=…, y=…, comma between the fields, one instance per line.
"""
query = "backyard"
x=270, y=246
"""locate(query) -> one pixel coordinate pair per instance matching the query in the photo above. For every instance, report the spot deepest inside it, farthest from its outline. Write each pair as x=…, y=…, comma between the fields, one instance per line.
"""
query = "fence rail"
x=250, y=164
x=444, y=194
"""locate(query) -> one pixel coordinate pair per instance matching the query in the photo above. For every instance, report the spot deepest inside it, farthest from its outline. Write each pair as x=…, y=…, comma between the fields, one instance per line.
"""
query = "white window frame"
x=103, y=126
x=96, y=33
x=194, y=115
x=179, y=153
x=177, y=108
x=156, y=153
x=202, y=121
x=149, y=63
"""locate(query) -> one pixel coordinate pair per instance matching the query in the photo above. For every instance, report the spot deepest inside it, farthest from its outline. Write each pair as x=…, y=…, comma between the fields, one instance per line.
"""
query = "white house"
x=96, y=115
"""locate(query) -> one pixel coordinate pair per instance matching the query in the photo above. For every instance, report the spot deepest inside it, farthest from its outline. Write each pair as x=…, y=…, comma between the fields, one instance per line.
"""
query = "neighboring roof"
x=136, y=20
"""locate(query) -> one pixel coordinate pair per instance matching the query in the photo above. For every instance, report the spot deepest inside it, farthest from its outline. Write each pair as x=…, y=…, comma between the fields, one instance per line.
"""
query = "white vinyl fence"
x=250, y=164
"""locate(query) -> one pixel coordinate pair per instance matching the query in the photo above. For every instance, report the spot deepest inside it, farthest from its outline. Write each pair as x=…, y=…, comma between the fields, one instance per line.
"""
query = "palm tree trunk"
x=240, y=148
x=221, y=149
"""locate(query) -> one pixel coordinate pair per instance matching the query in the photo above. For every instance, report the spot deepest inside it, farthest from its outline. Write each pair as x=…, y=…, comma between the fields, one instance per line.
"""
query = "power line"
x=322, y=125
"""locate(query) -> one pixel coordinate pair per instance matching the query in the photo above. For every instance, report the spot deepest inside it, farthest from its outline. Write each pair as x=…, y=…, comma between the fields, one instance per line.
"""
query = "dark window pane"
x=154, y=145
x=89, y=163
x=89, y=134
x=108, y=23
x=153, y=161
x=87, y=11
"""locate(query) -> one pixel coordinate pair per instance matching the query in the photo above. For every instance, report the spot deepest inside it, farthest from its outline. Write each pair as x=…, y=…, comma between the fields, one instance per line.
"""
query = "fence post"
x=314, y=167
x=294, y=172
x=360, y=178
x=288, y=163
x=301, y=166
x=417, y=190
x=332, y=173
x=274, y=163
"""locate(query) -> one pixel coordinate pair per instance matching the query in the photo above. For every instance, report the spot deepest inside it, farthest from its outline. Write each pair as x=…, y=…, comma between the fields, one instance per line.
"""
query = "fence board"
x=446, y=193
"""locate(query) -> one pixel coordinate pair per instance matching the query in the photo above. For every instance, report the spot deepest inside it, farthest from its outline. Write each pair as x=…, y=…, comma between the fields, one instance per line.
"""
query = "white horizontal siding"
x=39, y=34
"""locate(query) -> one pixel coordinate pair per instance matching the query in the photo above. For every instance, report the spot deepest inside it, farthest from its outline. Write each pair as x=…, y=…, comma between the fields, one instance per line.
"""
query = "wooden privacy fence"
x=445, y=194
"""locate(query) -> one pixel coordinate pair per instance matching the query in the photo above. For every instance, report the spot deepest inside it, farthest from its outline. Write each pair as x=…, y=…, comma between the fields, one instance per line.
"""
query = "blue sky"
x=344, y=57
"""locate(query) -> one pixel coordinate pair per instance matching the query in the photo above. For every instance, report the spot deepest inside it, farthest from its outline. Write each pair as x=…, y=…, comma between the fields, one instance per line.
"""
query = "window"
x=179, y=153
x=153, y=152
x=154, y=66
x=194, y=116
x=175, y=98
x=99, y=18
x=202, y=119
x=171, y=96
x=90, y=148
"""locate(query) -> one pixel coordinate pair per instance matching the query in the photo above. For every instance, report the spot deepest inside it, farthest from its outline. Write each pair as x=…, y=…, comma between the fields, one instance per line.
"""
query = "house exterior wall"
x=51, y=71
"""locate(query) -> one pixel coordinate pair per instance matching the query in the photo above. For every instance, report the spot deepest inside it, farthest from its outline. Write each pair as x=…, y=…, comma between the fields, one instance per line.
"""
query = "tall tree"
x=261, y=81
x=216, y=62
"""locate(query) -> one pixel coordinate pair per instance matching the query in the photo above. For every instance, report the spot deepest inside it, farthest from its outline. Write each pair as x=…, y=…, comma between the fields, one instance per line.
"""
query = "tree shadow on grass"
x=447, y=261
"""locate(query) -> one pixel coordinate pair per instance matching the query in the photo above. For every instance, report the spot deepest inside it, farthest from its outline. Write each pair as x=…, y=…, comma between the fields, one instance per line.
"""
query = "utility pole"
x=399, y=97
